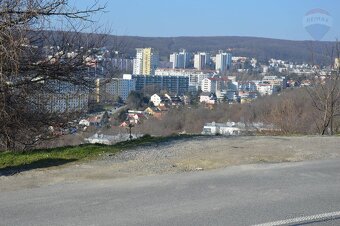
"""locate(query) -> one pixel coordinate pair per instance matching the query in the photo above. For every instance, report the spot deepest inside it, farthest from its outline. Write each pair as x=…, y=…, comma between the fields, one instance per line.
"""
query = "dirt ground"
x=192, y=154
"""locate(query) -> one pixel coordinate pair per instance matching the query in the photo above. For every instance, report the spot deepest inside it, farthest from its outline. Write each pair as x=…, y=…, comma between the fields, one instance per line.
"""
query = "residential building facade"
x=125, y=65
x=201, y=60
x=223, y=62
x=177, y=85
x=138, y=62
x=146, y=61
x=65, y=97
x=107, y=90
x=180, y=60
x=275, y=81
x=195, y=76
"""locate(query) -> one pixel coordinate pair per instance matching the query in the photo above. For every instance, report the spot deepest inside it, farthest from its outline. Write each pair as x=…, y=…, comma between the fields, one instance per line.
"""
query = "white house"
x=228, y=129
x=84, y=122
x=109, y=140
x=208, y=98
x=156, y=100
x=265, y=89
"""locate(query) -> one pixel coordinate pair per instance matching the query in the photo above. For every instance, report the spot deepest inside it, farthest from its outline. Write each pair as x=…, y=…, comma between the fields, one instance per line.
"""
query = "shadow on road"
x=39, y=164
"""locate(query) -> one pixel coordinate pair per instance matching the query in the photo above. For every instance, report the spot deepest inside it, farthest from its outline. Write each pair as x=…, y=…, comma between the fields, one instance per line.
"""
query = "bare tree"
x=325, y=95
x=36, y=64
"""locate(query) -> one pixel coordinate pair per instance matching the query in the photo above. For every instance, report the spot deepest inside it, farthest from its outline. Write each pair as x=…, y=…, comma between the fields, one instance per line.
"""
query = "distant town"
x=204, y=78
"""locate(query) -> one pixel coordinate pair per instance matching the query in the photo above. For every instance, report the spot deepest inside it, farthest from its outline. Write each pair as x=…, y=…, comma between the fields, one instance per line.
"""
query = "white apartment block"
x=195, y=76
x=180, y=60
x=174, y=60
x=138, y=62
x=208, y=85
x=217, y=85
x=223, y=62
x=70, y=102
x=106, y=90
x=201, y=60
x=64, y=97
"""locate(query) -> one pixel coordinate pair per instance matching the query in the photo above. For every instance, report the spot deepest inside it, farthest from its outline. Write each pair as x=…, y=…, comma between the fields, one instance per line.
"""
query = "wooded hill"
x=312, y=52
x=261, y=48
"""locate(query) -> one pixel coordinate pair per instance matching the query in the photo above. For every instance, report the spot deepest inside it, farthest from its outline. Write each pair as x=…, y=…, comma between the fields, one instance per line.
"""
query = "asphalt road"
x=242, y=195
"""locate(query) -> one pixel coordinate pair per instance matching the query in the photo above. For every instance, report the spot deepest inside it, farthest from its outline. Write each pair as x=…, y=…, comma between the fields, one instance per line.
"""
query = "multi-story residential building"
x=150, y=61
x=107, y=89
x=212, y=85
x=195, y=76
x=275, y=81
x=174, y=60
x=201, y=60
x=177, y=85
x=120, y=87
x=246, y=97
x=265, y=89
x=146, y=61
x=206, y=86
x=125, y=65
x=180, y=60
x=247, y=86
x=68, y=102
x=217, y=85
x=138, y=62
x=223, y=61
x=63, y=97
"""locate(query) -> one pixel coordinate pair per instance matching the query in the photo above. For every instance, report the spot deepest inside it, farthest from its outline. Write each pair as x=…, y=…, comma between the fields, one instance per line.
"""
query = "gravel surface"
x=177, y=156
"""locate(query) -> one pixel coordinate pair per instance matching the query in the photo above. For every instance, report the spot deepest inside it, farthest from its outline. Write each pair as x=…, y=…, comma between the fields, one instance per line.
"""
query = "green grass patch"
x=15, y=161
x=42, y=158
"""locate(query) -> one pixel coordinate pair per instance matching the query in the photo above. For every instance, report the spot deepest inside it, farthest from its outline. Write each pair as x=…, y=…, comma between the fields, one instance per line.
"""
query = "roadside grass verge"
x=14, y=162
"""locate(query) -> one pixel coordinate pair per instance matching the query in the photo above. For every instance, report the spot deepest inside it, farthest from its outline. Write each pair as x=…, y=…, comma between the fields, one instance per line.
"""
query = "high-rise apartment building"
x=180, y=60
x=201, y=60
x=146, y=61
x=174, y=60
x=223, y=61
x=138, y=62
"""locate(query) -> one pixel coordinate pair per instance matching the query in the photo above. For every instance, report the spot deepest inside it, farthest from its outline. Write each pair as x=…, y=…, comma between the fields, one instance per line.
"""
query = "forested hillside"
x=261, y=48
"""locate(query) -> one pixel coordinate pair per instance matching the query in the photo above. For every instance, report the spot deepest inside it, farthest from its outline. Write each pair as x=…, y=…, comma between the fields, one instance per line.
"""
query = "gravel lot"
x=191, y=154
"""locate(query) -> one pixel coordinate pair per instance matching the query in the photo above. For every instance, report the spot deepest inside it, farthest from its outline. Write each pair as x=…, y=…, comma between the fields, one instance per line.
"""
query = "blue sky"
x=281, y=19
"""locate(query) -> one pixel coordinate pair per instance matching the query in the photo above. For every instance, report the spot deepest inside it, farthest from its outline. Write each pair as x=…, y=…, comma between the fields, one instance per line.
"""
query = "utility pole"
x=130, y=130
